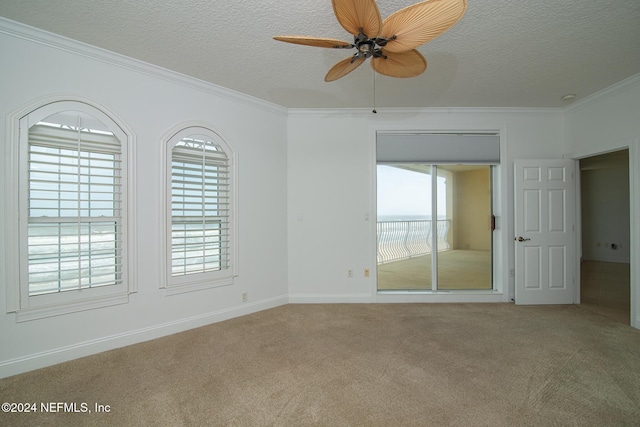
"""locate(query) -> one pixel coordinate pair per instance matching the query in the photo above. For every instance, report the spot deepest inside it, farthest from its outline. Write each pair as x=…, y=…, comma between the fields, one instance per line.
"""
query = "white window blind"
x=472, y=148
x=75, y=226
x=200, y=203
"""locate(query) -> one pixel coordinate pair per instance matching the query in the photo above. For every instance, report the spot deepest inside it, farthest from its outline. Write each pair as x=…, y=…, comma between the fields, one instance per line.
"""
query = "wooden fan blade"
x=421, y=23
x=355, y=15
x=343, y=68
x=314, y=41
x=410, y=63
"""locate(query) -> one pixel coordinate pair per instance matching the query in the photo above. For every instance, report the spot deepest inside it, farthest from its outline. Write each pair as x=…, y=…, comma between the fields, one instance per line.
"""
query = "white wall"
x=609, y=121
x=331, y=175
x=605, y=122
x=149, y=101
x=329, y=197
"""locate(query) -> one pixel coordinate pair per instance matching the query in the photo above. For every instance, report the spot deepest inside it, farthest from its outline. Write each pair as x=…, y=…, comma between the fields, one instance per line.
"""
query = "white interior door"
x=544, y=227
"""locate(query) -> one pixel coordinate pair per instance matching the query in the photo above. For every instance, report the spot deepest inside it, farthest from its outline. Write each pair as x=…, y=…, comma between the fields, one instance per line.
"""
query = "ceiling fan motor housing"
x=367, y=47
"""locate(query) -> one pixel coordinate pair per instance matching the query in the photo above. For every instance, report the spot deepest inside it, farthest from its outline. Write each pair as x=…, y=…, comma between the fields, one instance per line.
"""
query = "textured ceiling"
x=502, y=53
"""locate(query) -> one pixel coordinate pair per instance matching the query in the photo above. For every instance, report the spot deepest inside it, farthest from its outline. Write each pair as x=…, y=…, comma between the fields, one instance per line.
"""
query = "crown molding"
x=36, y=35
x=392, y=111
x=604, y=93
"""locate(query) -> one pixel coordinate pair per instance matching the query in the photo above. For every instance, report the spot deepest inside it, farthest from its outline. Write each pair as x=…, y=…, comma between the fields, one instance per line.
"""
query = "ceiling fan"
x=390, y=43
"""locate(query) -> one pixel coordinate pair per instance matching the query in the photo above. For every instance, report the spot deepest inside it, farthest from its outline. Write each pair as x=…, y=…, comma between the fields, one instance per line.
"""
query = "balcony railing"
x=399, y=240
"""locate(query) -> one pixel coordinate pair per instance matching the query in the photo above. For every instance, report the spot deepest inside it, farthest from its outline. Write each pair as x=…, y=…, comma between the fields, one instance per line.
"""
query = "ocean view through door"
x=434, y=227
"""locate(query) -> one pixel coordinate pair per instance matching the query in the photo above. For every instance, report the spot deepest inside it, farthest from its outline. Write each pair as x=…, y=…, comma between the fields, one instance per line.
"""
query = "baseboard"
x=330, y=299
x=87, y=348
x=446, y=297
x=402, y=297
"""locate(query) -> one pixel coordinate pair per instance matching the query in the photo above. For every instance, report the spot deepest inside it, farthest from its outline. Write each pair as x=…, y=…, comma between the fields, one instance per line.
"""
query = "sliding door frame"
x=502, y=288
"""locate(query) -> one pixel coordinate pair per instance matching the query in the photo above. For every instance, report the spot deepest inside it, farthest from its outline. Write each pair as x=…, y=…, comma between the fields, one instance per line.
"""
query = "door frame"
x=502, y=237
x=633, y=145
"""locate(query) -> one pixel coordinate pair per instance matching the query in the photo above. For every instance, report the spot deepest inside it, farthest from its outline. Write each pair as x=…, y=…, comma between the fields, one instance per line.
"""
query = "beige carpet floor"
x=605, y=287
x=358, y=365
x=457, y=269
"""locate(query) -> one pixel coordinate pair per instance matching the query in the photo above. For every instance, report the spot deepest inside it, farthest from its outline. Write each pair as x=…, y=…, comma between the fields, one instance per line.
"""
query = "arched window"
x=72, y=202
x=199, y=210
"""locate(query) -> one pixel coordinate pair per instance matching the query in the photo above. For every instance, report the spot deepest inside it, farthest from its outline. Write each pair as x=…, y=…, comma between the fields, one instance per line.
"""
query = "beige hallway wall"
x=472, y=209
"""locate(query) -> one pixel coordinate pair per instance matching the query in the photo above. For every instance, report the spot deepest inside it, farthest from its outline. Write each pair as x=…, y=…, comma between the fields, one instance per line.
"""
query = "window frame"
x=202, y=280
x=29, y=307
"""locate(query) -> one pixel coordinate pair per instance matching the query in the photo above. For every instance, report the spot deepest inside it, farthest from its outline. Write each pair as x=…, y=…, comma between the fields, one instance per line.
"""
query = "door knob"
x=522, y=239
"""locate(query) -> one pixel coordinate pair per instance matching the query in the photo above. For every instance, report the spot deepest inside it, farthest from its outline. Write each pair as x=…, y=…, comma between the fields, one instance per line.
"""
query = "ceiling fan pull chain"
x=374, y=92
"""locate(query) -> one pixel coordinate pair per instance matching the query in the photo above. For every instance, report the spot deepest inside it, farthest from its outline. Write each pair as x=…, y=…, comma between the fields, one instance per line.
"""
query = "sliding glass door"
x=404, y=227
x=434, y=229
x=465, y=262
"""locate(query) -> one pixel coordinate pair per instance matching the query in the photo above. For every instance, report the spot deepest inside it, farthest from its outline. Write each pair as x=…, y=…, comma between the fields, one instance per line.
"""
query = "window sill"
x=197, y=286
x=27, y=314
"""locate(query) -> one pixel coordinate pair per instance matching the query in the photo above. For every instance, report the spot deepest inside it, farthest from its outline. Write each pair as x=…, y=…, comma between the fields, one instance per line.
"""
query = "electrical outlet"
x=366, y=272
x=245, y=297
x=349, y=273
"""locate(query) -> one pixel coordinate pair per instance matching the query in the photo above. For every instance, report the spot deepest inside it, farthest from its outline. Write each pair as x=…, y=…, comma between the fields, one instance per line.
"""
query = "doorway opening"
x=434, y=227
x=605, y=283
